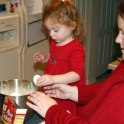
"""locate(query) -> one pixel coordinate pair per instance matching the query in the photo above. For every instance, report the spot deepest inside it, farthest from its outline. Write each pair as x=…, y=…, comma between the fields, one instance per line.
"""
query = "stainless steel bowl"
x=18, y=90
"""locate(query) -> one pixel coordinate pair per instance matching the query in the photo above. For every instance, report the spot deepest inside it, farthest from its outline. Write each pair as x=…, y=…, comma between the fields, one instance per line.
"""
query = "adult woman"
x=104, y=104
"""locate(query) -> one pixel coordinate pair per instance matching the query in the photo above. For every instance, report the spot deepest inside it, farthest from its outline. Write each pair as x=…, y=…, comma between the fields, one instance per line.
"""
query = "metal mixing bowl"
x=18, y=89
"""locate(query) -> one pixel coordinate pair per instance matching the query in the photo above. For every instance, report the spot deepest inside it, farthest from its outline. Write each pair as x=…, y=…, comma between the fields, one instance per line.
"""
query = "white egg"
x=35, y=78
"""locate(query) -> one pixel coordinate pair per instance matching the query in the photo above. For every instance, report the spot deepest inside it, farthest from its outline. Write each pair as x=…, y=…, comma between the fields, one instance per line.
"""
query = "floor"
x=103, y=77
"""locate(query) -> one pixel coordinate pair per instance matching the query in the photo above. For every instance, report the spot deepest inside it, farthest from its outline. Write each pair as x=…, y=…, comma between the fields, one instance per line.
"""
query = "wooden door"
x=107, y=50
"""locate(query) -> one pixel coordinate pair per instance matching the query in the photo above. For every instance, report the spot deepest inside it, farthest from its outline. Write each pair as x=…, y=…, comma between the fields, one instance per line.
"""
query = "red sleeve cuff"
x=81, y=95
x=52, y=113
x=87, y=92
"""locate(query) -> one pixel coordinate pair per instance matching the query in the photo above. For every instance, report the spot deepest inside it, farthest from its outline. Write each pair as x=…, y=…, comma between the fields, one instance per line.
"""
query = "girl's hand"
x=39, y=57
x=45, y=80
x=62, y=91
x=41, y=102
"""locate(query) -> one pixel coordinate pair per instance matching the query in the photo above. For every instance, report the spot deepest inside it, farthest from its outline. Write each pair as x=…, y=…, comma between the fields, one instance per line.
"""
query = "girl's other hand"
x=39, y=57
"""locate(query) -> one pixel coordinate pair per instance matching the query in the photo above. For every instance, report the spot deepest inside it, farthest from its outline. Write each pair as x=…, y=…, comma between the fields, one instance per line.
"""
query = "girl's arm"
x=81, y=94
x=67, y=78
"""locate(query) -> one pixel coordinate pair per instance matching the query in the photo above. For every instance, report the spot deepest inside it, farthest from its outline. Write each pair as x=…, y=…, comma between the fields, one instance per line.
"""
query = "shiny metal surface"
x=18, y=90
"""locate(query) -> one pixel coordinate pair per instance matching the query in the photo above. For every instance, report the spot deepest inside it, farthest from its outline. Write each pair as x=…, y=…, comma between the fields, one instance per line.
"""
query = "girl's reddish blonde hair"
x=64, y=12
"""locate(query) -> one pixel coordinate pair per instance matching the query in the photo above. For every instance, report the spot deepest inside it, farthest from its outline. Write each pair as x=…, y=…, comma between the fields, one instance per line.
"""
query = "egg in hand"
x=35, y=78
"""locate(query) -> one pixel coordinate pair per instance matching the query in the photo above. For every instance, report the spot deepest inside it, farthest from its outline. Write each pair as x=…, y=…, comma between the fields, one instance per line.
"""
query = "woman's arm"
x=62, y=91
x=81, y=94
x=51, y=111
x=57, y=115
x=48, y=108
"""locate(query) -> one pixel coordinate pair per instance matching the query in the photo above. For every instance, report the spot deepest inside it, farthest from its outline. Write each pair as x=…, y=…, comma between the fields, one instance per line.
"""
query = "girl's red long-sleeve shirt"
x=64, y=59
x=104, y=103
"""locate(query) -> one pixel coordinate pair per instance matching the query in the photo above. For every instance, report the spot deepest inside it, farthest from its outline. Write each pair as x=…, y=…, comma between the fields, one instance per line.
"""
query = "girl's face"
x=120, y=38
x=60, y=33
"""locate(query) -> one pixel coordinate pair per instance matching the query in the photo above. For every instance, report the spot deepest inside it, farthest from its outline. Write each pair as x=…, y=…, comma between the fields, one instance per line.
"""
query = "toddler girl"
x=65, y=63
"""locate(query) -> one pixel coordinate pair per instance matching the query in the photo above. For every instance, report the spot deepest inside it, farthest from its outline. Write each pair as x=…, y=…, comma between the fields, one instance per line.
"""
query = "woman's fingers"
x=40, y=102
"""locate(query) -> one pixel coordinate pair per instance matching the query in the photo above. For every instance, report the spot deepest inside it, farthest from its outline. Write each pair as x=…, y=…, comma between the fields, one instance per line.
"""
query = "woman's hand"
x=62, y=91
x=42, y=102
